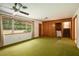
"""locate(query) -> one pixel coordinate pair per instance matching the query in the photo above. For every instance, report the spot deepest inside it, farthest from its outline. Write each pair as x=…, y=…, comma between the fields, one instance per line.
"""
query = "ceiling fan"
x=17, y=8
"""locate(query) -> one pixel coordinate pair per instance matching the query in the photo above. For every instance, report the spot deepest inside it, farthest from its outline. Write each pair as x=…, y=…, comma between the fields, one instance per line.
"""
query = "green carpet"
x=42, y=47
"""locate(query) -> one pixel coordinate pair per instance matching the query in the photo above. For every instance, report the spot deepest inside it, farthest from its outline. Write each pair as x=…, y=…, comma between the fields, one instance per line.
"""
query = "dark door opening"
x=58, y=29
x=58, y=26
x=66, y=32
x=40, y=34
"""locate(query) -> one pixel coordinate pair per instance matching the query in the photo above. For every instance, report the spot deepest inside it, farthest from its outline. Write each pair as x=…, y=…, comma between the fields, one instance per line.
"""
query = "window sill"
x=16, y=33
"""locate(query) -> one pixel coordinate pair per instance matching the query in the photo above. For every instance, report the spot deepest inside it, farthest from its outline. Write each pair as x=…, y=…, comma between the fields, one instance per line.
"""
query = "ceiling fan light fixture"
x=17, y=8
x=15, y=13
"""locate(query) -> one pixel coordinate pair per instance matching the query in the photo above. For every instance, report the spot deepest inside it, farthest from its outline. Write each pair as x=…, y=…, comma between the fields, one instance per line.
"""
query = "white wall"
x=9, y=39
x=36, y=28
x=77, y=28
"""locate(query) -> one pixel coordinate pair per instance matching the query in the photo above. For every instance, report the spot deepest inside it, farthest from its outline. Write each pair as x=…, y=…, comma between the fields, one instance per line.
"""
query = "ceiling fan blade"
x=14, y=8
x=15, y=4
x=24, y=7
x=24, y=12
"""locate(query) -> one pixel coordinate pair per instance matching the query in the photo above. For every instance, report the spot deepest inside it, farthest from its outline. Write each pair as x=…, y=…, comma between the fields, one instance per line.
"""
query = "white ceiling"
x=50, y=10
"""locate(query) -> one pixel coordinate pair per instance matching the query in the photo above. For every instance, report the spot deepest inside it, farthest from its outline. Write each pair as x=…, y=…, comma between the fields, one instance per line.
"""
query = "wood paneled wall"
x=49, y=27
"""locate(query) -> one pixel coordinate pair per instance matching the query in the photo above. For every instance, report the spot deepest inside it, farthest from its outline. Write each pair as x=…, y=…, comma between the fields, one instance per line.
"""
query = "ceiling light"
x=15, y=13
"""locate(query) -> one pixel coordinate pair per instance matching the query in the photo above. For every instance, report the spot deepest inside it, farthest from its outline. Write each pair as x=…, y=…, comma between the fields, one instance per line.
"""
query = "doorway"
x=40, y=34
x=66, y=32
x=58, y=29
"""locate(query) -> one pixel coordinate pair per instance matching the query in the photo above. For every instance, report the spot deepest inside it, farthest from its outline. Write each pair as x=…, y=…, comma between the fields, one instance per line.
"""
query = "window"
x=15, y=26
x=29, y=28
x=7, y=25
x=19, y=26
